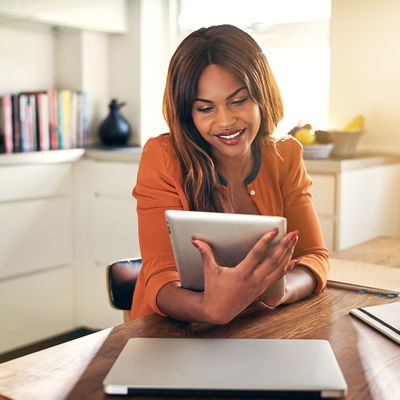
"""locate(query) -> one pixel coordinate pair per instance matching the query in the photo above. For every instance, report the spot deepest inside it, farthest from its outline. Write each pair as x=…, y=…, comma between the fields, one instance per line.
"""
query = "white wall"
x=365, y=66
x=26, y=61
x=139, y=62
x=125, y=69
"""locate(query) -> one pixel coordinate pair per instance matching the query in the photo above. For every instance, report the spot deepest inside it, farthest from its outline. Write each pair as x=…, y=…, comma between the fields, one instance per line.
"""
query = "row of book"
x=43, y=120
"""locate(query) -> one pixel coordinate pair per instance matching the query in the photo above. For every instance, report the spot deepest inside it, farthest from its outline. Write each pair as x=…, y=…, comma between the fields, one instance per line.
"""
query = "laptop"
x=184, y=366
x=230, y=235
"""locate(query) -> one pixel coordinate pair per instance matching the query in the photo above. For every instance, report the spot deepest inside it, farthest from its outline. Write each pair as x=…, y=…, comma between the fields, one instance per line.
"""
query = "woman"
x=222, y=104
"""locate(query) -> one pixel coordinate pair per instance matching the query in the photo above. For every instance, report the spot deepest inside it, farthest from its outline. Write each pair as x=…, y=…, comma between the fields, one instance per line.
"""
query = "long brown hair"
x=234, y=49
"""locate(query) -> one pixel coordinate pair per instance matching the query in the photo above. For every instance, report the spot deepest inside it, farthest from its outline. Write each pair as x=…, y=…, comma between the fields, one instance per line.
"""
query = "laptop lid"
x=156, y=366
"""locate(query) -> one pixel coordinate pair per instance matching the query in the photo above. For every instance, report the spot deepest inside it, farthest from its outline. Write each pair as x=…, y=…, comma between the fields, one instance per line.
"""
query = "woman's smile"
x=231, y=137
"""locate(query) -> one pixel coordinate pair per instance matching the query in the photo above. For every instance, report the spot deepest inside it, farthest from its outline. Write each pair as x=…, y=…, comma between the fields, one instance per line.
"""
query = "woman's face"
x=224, y=114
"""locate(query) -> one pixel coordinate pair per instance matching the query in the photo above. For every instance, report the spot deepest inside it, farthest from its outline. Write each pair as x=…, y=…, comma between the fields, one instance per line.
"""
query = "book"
x=6, y=129
x=43, y=120
x=384, y=317
x=17, y=139
x=42, y=105
x=363, y=276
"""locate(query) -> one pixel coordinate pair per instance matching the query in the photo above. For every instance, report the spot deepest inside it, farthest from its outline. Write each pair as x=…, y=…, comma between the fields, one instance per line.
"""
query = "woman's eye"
x=239, y=101
x=205, y=110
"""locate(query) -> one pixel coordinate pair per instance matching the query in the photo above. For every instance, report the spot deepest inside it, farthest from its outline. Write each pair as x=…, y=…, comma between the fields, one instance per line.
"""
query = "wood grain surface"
x=75, y=370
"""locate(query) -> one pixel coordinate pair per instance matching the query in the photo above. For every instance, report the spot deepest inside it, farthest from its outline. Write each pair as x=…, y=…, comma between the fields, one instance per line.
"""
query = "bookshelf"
x=48, y=45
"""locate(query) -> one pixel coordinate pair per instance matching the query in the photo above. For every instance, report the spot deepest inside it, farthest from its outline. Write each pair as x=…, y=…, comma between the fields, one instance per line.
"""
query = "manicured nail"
x=195, y=244
x=294, y=237
x=274, y=234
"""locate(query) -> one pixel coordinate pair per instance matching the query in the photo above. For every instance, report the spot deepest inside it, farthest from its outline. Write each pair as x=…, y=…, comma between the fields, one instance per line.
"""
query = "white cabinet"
x=36, y=253
x=356, y=203
x=108, y=211
x=324, y=197
x=61, y=224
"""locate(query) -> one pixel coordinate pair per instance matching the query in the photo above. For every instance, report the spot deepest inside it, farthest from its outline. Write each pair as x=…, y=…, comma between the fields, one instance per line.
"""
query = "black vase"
x=115, y=129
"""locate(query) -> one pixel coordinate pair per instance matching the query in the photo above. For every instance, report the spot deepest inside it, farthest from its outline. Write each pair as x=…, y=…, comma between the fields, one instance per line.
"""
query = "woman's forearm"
x=181, y=304
x=300, y=283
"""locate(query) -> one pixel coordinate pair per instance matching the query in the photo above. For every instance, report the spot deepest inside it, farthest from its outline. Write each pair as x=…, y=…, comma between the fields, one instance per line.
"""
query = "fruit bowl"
x=317, y=151
x=344, y=143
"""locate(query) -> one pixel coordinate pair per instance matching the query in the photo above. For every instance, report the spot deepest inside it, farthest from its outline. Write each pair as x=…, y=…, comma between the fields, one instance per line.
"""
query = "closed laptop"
x=183, y=366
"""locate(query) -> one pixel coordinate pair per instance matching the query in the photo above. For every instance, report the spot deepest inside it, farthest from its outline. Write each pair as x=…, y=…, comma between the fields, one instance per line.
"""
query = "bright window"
x=294, y=35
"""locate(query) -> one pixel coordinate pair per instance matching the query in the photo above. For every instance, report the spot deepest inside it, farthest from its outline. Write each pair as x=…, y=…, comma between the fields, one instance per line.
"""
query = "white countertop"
x=132, y=155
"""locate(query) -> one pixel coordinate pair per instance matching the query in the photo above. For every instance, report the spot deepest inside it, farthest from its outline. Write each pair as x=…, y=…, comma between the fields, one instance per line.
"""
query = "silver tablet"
x=230, y=235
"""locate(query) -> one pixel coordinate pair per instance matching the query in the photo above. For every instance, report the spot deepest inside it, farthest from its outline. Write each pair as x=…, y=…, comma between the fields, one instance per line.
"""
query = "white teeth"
x=230, y=136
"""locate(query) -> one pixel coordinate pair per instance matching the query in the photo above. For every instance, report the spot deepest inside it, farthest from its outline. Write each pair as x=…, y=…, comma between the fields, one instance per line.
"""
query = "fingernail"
x=195, y=244
x=294, y=236
x=274, y=234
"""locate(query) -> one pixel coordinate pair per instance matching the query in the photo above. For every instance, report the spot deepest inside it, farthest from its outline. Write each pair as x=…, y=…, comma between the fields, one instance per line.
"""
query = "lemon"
x=305, y=136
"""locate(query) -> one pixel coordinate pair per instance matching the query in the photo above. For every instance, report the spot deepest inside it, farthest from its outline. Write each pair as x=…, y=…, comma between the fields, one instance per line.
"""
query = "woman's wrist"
x=300, y=283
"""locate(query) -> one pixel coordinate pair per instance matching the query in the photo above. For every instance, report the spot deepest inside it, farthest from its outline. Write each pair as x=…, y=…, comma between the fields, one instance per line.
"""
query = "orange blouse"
x=281, y=187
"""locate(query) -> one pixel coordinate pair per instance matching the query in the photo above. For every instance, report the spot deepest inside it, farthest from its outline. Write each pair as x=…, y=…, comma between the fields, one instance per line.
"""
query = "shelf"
x=42, y=157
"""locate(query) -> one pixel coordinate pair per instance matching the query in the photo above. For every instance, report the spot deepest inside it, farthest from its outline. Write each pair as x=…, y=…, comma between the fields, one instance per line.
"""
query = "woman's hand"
x=228, y=291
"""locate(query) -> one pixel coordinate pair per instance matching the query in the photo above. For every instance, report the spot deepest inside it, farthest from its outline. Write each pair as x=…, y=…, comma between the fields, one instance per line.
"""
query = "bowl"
x=344, y=142
x=322, y=150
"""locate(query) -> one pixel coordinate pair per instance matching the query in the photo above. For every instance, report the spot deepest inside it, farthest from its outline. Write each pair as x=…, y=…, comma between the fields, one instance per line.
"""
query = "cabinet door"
x=324, y=198
x=323, y=191
x=36, y=306
x=114, y=221
x=110, y=233
x=369, y=204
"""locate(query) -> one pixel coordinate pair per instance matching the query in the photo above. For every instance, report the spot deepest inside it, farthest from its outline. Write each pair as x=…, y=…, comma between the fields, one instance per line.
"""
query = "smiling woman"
x=222, y=105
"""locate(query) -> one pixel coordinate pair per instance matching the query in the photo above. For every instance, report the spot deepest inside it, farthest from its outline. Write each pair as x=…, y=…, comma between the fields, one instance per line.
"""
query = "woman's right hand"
x=228, y=291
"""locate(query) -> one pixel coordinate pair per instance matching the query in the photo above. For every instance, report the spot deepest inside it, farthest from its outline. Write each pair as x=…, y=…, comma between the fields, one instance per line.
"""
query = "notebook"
x=358, y=275
x=230, y=235
x=184, y=366
x=385, y=318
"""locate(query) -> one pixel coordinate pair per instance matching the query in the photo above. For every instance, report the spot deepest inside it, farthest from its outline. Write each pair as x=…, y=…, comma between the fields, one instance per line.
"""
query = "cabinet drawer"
x=113, y=179
x=323, y=191
x=38, y=235
x=35, y=307
x=34, y=181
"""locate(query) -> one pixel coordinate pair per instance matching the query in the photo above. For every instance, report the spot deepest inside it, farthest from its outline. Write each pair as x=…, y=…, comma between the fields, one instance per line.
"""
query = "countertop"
x=132, y=155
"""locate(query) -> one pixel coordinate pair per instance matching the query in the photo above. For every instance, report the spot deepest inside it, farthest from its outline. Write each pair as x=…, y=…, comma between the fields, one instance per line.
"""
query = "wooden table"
x=370, y=362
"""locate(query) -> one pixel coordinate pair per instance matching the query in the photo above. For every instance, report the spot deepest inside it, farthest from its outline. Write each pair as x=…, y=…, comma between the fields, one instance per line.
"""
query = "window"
x=294, y=35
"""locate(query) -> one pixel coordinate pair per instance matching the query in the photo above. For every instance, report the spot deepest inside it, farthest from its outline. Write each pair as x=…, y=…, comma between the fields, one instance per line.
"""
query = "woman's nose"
x=225, y=118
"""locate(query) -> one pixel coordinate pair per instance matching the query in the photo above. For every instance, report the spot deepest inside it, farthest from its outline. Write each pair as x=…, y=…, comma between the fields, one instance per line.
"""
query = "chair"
x=121, y=281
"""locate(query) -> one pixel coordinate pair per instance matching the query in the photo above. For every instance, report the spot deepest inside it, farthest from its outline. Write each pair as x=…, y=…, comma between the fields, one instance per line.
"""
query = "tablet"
x=230, y=235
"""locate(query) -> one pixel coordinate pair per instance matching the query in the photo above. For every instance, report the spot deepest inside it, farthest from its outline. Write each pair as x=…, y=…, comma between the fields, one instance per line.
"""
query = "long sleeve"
x=157, y=189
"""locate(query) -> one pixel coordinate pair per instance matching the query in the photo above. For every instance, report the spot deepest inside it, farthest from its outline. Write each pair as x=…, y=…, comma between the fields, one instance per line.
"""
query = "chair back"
x=121, y=281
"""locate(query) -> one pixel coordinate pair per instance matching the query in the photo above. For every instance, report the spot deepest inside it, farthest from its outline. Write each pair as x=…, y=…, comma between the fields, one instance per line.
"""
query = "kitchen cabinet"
x=106, y=231
x=356, y=199
x=36, y=253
